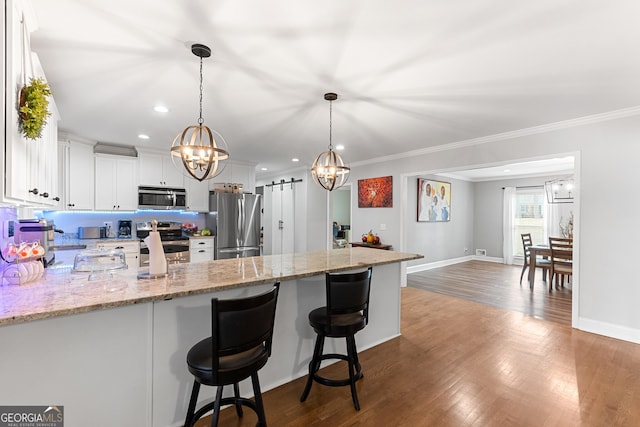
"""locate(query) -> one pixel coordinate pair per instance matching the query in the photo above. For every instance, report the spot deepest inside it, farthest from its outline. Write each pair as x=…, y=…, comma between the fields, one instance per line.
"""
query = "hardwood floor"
x=498, y=285
x=462, y=363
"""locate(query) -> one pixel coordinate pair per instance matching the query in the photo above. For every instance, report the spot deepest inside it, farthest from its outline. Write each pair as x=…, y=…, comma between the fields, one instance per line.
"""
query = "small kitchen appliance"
x=36, y=230
x=124, y=229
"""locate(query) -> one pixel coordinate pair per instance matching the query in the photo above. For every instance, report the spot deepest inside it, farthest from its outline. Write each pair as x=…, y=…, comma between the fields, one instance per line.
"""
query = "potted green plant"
x=34, y=107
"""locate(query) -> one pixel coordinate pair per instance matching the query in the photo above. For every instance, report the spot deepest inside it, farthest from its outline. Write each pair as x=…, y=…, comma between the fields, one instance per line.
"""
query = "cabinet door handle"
x=34, y=191
x=57, y=199
x=45, y=195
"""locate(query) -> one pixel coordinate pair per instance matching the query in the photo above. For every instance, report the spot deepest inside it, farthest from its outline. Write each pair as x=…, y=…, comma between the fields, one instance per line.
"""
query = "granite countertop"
x=62, y=292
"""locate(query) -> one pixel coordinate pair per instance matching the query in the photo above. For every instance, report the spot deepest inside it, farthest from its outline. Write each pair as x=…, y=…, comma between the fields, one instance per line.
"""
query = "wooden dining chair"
x=561, y=260
x=542, y=263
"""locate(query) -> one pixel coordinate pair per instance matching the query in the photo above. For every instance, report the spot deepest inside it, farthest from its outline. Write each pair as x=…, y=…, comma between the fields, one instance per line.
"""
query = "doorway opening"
x=341, y=216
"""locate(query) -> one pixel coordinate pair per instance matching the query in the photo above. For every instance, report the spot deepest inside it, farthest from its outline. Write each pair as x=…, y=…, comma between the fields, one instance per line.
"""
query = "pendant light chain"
x=330, y=125
x=201, y=120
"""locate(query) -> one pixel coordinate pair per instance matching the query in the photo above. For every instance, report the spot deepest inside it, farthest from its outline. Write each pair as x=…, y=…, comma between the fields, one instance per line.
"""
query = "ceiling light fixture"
x=160, y=109
x=328, y=169
x=195, y=148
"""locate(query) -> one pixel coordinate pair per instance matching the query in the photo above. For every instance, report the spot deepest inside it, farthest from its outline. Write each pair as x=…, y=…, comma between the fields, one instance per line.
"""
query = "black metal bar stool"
x=346, y=313
x=239, y=346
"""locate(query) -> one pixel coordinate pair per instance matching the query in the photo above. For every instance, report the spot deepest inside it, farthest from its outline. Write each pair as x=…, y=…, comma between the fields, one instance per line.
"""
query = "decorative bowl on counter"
x=99, y=263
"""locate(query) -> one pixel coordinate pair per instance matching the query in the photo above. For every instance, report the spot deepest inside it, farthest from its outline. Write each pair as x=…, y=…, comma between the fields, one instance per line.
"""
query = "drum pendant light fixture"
x=328, y=169
x=197, y=149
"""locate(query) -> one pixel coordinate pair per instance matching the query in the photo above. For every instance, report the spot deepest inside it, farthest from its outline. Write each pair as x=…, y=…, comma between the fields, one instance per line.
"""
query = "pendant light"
x=328, y=169
x=197, y=149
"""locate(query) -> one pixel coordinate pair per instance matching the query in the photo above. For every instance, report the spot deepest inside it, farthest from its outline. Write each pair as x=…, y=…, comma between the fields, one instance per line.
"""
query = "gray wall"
x=439, y=241
x=488, y=209
x=605, y=298
x=607, y=150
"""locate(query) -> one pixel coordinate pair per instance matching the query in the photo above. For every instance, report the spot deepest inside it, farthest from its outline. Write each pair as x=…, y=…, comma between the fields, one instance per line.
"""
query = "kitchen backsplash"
x=70, y=221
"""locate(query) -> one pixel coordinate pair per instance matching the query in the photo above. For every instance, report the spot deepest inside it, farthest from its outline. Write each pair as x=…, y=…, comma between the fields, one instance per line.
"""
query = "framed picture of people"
x=434, y=201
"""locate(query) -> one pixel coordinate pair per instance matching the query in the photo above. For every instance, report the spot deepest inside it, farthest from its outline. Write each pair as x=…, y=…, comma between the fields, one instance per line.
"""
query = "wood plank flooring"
x=498, y=285
x=462, y=363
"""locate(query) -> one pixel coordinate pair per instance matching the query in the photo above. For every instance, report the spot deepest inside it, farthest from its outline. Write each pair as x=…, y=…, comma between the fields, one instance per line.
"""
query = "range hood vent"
x=115, y=149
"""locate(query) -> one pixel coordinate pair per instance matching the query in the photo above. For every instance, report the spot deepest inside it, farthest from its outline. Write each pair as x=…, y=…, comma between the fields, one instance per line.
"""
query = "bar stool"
x=239, y=345
x=346, y=313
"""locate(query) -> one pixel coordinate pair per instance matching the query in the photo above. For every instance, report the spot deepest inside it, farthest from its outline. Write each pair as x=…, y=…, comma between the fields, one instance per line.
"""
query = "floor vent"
x=481, y=252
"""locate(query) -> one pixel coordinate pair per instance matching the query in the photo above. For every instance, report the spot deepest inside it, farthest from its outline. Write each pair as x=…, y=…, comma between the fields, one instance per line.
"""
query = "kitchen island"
x=113, y=351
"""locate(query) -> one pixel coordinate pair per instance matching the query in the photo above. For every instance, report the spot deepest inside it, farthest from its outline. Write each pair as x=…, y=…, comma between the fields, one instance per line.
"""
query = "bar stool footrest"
x=225, y=401
x=337, y=383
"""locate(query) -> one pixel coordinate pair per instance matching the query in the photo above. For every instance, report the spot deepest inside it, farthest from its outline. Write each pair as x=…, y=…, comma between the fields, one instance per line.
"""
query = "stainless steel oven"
x=174, y=244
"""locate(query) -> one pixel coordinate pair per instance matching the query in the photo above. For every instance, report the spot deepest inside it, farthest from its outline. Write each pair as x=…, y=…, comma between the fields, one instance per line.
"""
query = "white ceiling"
x=546, y=167
x=410, y=74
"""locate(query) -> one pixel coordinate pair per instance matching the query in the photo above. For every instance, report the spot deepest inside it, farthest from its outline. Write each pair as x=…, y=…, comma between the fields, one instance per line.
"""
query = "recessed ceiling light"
x=340, y=147
x=161, y=109
x=507, y=170
x=295, y=159
x=143, y=136
x=264, y=169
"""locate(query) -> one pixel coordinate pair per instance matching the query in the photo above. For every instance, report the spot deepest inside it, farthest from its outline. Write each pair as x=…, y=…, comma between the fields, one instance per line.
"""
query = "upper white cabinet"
x=115, y=185
x=77, y=175
x=197, y=195
x=240, y=173
x=157, y=170
x=31, y=175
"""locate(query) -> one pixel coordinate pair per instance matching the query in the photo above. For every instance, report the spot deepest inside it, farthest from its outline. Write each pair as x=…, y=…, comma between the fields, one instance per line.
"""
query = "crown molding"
x=551, y=127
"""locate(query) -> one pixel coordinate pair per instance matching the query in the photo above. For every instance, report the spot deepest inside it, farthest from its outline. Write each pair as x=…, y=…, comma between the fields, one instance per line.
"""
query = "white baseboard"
x=609, y=330
x=451, y=261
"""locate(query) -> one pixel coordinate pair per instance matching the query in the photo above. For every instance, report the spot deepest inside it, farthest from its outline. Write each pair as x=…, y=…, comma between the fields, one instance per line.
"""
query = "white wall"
x=311, y=212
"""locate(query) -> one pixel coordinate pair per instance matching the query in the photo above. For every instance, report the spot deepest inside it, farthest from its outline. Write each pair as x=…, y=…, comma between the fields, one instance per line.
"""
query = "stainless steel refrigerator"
x=234, y=219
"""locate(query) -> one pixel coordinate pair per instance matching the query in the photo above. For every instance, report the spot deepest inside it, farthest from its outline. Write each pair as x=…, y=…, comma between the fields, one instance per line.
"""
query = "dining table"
x=543, y=251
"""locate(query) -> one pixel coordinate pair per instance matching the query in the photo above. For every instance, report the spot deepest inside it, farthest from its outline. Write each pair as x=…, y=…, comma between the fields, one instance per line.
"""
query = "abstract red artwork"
x=375, y=192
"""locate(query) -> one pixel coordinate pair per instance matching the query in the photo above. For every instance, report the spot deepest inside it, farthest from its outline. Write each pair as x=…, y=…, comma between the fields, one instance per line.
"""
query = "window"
x=529, y=215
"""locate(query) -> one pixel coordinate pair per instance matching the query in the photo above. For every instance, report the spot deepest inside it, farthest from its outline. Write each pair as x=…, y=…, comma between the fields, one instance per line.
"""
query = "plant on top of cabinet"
x=34, y=107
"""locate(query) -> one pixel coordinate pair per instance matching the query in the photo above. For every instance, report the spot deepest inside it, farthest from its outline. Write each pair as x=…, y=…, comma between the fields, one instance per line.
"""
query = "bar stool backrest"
x=243, y=324
x=348, y=293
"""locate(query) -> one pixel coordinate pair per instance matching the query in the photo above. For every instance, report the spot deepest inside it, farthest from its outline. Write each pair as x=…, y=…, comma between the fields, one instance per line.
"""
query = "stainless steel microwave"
x=162, y=198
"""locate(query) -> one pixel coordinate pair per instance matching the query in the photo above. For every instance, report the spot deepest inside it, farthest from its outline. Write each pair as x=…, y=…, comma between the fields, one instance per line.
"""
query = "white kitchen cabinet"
x=201, y=249
x=244, y=174
x=240, y=173
x=131, y=250
x=197, y=195
x=30, y=165
x=115, y=185
x=157, y=170
x=77, y=174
